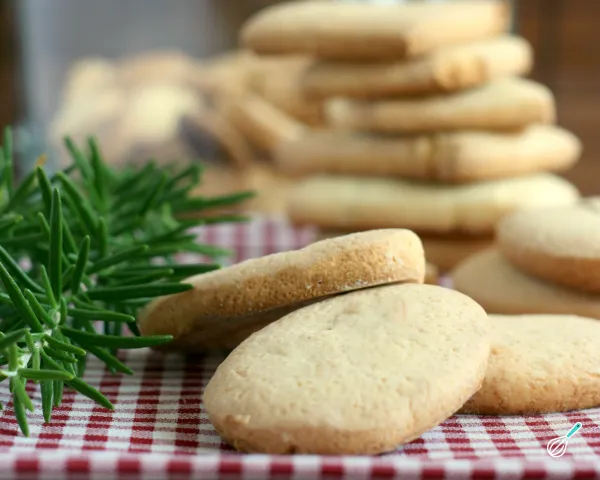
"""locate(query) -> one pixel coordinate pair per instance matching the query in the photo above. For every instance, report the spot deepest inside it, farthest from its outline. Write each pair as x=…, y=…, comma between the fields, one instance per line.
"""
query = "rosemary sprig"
x=87, y=247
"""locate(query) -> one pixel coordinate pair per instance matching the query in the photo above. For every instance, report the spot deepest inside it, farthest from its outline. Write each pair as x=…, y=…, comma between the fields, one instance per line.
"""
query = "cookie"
x=356, y=374
x=278, y=80
x=367, y=31
x=499, y=287
x=539, y=364
x=505, y=104
x=450, y=68
x=451, y=157
x=558, y=244
x=442, y=252
x=357, y=203
x=447, y=251
x=227, y=305
x=263, y=124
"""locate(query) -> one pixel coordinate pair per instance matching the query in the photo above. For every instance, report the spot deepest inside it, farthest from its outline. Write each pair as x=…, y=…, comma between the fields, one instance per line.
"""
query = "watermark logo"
x=557, y=447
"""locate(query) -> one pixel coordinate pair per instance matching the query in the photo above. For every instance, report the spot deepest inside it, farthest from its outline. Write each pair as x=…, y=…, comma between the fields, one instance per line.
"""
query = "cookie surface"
x=227, y=305
x=539, y=364
x=357, y=374
x=559, y=244
x=454, y=157
x=505, y=104
x=364, y=31
x=455, y=67
x=501, y=288
x=357, y=203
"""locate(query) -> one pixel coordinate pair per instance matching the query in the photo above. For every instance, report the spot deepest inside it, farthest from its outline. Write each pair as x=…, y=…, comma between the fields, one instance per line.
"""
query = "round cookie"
x=356, y=374
x=442, y=253
x=499, y=287
x=356, y=203
x=558, y=244
x=227, y=305
x=539, y=364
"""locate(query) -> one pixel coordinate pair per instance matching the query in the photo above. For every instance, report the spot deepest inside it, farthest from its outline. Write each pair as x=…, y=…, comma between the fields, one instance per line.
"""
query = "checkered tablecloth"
x=159, y=428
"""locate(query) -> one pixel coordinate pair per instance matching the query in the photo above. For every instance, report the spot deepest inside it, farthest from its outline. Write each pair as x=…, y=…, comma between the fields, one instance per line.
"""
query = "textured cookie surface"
x=540, y=364
x=366, y=31
x=450, y=68
x=558, y=244
x=499, y=287
x=506, y=104
x=357, y=374
x=227, y=305
x=355, y=203
x=463, y=156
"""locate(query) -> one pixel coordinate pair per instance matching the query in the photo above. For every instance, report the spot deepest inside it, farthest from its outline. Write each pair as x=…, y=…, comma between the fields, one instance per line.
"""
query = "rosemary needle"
x=80, y=247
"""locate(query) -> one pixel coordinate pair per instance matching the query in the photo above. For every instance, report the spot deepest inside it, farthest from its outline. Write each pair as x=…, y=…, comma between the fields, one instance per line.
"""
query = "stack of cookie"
x=430, y=124
x=338, y=348
x=546, y=260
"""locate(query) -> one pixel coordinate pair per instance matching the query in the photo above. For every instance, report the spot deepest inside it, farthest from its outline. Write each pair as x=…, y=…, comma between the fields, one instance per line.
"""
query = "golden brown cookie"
x=499, y=287
x=450, y=157
x=505, y=104
x=539, y=364
x=357, y=374
x=558, y=244
x=227, y=305
x=449, y=68
x=369, y=31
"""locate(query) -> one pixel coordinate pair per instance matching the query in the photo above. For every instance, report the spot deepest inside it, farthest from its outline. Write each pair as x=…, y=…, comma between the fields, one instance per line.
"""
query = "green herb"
x=81, y=252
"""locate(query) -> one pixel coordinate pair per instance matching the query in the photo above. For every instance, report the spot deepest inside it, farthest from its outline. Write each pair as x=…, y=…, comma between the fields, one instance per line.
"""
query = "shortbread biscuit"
x=451, y=157
x=278, y=80
x=356, y=203
x=442, y=252
x=263, y=124
x=357, y=374
x=227, y=305
x=539, y=364
x=499, y=287
x=366, y=31
x=557, y=244
x=505, y=104
x=455, y=67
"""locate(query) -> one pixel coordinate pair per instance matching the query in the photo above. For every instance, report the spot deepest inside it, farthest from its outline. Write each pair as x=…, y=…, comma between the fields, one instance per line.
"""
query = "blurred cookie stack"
x=427, y=122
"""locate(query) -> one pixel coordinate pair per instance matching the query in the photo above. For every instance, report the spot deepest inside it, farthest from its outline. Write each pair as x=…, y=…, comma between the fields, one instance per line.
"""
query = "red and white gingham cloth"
x=159, y=428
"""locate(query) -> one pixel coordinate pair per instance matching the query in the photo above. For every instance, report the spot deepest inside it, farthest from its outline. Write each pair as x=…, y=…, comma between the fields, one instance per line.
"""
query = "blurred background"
x=44, y=45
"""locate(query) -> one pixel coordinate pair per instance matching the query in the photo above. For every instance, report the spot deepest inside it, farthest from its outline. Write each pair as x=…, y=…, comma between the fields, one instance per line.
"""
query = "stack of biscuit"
x=429, y=123
x=546, y=261
x=338, y=348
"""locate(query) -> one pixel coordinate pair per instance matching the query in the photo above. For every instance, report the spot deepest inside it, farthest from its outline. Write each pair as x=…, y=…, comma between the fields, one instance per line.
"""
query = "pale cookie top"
x=352, y=202
x=383, y=364
x=560, y=231
x=541, y=363
x=362, y=30
x=285, y=279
